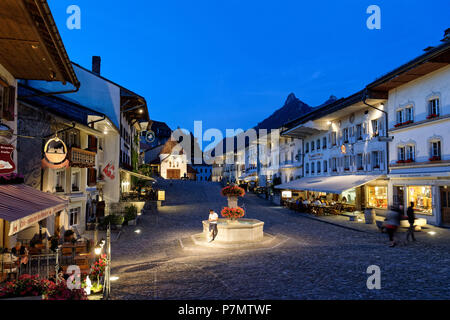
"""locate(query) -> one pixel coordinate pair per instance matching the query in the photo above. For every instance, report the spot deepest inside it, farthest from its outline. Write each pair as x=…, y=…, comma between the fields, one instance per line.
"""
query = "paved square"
x=309, y=259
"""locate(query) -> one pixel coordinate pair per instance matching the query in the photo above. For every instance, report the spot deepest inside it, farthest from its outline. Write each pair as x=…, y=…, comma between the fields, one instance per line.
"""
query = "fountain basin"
x=241, y=230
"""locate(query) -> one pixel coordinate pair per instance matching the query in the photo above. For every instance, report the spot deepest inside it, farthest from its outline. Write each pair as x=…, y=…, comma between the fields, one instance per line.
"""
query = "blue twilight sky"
x=232, y=63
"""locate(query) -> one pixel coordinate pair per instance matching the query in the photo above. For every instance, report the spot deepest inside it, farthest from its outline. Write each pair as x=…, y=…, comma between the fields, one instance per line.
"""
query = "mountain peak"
x=292, y=109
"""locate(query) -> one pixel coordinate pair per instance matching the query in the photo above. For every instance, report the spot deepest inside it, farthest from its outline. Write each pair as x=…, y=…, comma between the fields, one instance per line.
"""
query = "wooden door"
x=445, y=205
x=173, y=173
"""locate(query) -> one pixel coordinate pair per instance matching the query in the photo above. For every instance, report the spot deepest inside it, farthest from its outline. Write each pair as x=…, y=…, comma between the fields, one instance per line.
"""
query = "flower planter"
x=26, y=298
x=232, y=202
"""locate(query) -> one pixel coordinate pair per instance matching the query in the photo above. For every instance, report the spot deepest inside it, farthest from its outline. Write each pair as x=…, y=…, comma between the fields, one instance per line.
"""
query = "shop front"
x=26, y=212
x=348, y=193
x=430, y=196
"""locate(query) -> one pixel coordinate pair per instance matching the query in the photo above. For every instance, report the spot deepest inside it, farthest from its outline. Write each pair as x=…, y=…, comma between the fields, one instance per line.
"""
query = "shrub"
x=61, y=292
x=114, y=219
x=26, y=285
x=130, y=213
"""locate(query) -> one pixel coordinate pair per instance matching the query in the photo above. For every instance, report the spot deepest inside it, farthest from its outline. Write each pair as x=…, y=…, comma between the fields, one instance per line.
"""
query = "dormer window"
x=307, y=147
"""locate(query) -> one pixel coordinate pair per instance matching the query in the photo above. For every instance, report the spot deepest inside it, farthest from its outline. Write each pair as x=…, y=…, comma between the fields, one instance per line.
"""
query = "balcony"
x=81, y=158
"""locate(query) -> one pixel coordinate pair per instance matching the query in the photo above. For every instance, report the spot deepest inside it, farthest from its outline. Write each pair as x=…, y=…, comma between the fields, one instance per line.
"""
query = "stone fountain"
x=233, y=228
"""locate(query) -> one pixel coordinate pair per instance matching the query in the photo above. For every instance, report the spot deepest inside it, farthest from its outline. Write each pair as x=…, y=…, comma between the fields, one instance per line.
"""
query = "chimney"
x=446, y=35
x=96, y=61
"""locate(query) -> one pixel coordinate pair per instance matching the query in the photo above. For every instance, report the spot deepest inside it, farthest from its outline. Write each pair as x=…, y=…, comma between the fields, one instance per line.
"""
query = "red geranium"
x=233, y=191
x=232, y=213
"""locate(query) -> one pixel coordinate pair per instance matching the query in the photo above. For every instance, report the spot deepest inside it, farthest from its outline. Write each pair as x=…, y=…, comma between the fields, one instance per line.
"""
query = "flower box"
x=232, y=213
x=360, y=168
x=435, y=158
x=431, y=116
x=400, y=161
x=233, y=191
x=409, y=160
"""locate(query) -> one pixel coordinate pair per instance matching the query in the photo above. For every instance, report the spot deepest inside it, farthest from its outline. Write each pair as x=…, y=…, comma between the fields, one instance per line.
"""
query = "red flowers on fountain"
x=233, y=191
x=232, y=213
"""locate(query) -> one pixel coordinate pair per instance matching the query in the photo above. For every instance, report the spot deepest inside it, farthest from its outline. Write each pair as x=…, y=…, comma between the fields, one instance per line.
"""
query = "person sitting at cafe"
x=69, y=236
x=318, y=202
x=306, y=202
x=21, y=252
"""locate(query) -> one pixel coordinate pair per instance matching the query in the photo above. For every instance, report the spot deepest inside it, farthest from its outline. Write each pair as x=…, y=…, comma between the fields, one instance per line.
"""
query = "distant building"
x=203, y=172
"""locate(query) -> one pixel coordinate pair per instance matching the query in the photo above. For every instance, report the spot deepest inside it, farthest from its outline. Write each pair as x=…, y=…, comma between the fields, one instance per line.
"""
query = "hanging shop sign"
x=55, y=154
x=343, y=149
x=286, y=194
x=7, y=164
x=150, y=136
x=109, y=171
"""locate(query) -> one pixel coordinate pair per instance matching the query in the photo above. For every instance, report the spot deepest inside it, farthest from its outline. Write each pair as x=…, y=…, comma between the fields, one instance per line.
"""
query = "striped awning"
x=24, y=206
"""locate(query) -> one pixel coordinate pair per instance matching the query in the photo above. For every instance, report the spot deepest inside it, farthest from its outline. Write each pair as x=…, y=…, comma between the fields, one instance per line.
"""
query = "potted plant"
x=26, y=287
x=435, y=158
x=130, y=215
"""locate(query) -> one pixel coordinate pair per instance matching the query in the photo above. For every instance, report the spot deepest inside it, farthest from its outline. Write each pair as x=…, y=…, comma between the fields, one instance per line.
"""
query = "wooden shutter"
x=92, y=143
x=9, y=103
x=91, y=177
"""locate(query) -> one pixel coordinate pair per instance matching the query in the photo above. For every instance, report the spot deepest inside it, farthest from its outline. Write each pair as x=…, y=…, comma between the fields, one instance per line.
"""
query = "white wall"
x=417, y=93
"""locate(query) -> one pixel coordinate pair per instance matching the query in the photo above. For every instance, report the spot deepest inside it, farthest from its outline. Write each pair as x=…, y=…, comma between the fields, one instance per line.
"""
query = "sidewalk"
x=431, y=234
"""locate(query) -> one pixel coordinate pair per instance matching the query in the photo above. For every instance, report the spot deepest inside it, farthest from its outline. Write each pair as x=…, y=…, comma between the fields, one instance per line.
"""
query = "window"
x=422, y=198
x=318, y=144
x=359, y=164
x=345, y=135
x=60, y=180
x=307, y=147
x=324, y=142
x=318, y=167
x=325, y=166
x=376, y=159
x=359, y=131
x=377, y=197
x=307, y=168
x=401, y=154
x=409, y=115
x=76, y=181
x=312, y=167
x=334, y=164
x=375, y=128
x=433, y=108
x=312, y=145
x=346, y=163
x=333, y=138
x=400, y=117
x=435, y=150
x=410, y=153
x=74, y=215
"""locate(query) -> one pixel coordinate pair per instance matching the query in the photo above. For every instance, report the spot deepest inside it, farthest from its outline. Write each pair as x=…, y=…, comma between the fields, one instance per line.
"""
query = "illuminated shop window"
x=377, y=197
x=421, y=196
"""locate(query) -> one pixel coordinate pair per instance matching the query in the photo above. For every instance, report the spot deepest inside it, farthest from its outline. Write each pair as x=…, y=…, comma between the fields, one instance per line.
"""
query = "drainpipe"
x=95, y=121
x=386, y=123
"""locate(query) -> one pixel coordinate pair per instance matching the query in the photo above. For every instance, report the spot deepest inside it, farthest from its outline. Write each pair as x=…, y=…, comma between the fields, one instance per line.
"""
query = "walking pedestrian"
x=213, y=218
x=391, y=224
x=411, y=219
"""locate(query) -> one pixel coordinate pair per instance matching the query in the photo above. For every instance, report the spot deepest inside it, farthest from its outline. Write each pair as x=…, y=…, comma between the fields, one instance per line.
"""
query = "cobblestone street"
x=308, y=259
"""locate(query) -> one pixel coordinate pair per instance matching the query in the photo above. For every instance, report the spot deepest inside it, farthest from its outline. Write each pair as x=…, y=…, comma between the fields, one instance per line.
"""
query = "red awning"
x=24, y=206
